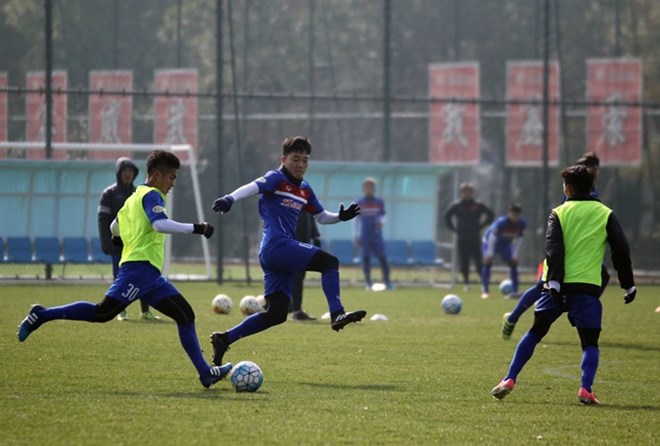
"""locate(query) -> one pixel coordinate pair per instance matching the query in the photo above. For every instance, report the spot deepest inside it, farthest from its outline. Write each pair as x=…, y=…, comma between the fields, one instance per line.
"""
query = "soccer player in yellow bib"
x=576, y=238
x=140, y=226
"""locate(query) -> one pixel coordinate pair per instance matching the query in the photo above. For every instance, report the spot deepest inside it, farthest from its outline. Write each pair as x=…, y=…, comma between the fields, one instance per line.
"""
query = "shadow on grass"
x=602, y=406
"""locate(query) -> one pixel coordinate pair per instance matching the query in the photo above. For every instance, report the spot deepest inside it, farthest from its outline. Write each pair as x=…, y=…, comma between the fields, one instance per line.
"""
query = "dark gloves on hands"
x=223, y=204
x=205, y=229
x=349, y=213
x=630, y=296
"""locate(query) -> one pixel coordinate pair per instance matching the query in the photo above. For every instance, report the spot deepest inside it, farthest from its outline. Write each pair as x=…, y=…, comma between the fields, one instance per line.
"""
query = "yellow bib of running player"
x=141, y=242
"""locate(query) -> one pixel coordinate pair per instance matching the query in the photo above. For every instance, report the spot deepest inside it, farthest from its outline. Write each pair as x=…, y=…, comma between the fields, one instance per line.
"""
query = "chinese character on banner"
x=110, y=115
x=176, y=116
x=35, y=110
x=524, y=122
x=4, y=112
x=454, y=126
x=614, y=131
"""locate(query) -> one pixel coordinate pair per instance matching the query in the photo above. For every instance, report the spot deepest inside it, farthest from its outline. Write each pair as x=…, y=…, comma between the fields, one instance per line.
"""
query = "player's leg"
x=547, y=312
x=528, y=298
x=123, y=315
x=585, y=312
x=476, y=255
x=506, y=253
x=464, y=260
x=366, y=262
x=328, y=266
x=379, y=251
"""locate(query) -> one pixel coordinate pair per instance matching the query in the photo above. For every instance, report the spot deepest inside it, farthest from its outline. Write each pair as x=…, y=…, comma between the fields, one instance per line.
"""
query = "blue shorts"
x=373, y=245
x=140, y=280
x=584, y=310
x=280, y=260
x=504, y=251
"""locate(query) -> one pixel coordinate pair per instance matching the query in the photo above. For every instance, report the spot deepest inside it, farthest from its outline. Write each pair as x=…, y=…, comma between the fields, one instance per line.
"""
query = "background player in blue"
x=533, y=294
x=112, y=199
x=284, y=194
x=504, y=238
x=368, y=232
x=578, y=232
x=141, y=226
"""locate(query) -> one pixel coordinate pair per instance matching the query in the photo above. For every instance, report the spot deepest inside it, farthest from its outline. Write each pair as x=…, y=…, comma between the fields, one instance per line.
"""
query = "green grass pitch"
x=422, y=377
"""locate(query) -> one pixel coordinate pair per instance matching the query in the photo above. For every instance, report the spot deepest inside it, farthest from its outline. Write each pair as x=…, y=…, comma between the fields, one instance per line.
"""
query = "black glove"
x=117, y=241
x=557, y=296
x=349, y=213
x=629, y=297
x=205, y=229
x=223, y=204
x=316, y=242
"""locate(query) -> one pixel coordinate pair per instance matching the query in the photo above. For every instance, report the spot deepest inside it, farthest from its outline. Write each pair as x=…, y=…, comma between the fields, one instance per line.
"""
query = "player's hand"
x=349, y=213
x=223, y=204
x=205, y=229
x=117, y=241
x=316, y=242
x=557, y=296
x=630, y=295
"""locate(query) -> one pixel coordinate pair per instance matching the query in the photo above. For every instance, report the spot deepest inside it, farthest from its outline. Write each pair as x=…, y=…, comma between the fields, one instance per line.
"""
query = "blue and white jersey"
x=371, y=218
x=280, y=204
x=505, y=231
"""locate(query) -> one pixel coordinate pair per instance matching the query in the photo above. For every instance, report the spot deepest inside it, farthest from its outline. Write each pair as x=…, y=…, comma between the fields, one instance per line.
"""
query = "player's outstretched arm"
x=167, y=226
x=329, y=218
x=224, y=204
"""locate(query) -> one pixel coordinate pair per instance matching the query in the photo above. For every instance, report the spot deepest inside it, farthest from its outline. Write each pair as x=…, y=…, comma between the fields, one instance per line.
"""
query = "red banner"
x=110, y=115
x=4, y=113
x=454, y=126
x=176, y=116
x=614, y=131
x=35, y=109
x=524, y=122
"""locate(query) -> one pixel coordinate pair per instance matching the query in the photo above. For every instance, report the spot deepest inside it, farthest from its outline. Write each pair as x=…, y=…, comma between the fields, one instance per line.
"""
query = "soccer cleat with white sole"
x=503, y=388
x=587, y=398
x=344, y=319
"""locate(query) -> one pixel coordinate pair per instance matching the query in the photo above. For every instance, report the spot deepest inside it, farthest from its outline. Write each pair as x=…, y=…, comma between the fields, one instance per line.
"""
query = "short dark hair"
x=160, y=159
x=579, y=177
x=589, y=159
x=296, y=144
x=467, y=186
x=514, y=207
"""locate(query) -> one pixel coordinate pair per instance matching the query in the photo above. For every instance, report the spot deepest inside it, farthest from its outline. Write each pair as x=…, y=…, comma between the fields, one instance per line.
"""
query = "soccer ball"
x=451, y=304
x=262, y=300
x=506, y=287
x=246, y=376
x=222, y=304
x=250, y=305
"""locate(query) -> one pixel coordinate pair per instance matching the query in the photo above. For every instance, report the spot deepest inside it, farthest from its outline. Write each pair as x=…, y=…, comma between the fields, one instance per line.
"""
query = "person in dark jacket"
x=577, y=235
x=112, y=199
x=467, y=217
x=306, y=232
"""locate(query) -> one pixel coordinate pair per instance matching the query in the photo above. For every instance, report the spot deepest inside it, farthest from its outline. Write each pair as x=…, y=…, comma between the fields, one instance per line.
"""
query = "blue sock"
x=526, y=300
x=75, y=311
x=485, y=278
x=514, y=278
x=524, y=351
x=330, y=285
x=589, y=366
x=190, y=344
x=386, y=269
x=366, y=269
x=250, y=325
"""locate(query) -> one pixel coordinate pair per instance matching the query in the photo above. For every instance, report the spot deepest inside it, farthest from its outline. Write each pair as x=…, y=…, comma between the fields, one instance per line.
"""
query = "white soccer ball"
x=262, y=300
x=451, y=304
x=246, y=376
x=250, y=305
x=506, y=287
x=222, y=304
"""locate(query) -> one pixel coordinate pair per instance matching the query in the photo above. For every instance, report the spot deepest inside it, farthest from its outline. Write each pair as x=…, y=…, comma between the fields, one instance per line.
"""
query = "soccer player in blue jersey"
x=140, y=227
x=283, y=195
x=504, y=238
x=530, y=296
x=577, y=235
x=368, y=232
